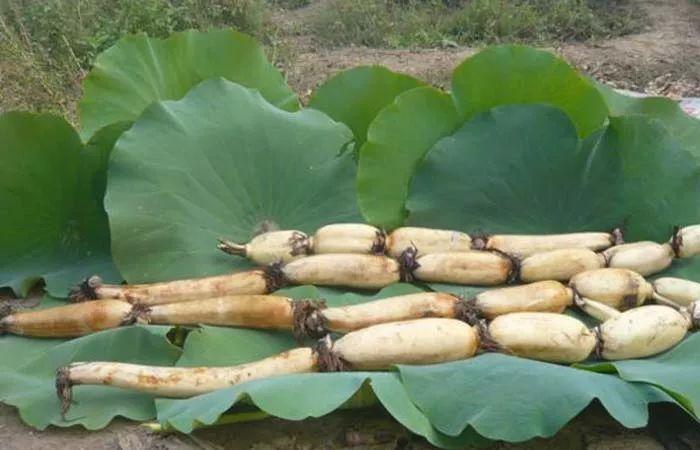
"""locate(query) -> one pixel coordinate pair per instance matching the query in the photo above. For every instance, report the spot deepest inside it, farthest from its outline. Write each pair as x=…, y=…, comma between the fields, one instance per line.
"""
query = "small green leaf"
x=217, y=346
x=397, y=140
x=51, y=188
x=674, y=371
x=221, y=162
x=513, y=74
x=31, y=386
x=356, y=96
x=683, y=128
x=534, y=399
x=140, y=70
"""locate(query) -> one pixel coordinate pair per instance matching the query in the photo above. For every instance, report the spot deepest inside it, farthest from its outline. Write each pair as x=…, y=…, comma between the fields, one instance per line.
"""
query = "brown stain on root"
x=98, y=318
x=108, y=379
x=151, y=380
x=174, y=378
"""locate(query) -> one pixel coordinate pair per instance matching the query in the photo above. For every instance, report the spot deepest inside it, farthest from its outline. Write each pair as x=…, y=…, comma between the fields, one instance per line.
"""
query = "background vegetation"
x=46, y=46
x=438, y=22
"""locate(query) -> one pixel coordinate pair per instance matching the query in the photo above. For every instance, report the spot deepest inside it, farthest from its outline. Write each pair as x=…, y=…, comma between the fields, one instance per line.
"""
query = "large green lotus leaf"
x=31, y=387
x=356, y=95
x=221, y=162
x=517, y=169
x=674, y=371
x=513, y=399
x=651, y=204
x=296, y=397
x=51, y=188
x=397, y=140
x=680, y=125
x=521, y=169
x=513, y=74
x=140, y=70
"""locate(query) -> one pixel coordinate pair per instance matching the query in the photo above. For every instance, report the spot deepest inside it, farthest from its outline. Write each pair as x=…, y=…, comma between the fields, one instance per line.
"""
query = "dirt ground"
x=664, y=59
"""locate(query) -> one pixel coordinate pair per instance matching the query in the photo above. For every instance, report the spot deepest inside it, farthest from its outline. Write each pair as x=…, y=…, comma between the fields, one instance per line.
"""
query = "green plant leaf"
x=680, y=125
x=456, y=289
x=217, y=346
x=405, y=130
x=221, y=162
x=521, y=169
x=392, y=394
x=397, y=140
x=651, y=204
x=31, y=387
x=683, y=268
x=51, y=187
x=356, y=96
x=674, y=371
x=513, y=74
x=296, y=397
x=338, y=297
x=140, y=70
x=532, y=398
x=514, y=169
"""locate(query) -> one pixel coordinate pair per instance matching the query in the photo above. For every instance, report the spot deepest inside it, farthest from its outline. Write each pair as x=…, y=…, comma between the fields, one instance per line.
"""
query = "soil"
x=664, y=60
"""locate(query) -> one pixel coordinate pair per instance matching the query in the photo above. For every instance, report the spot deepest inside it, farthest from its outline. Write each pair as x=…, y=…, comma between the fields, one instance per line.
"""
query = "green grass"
x=416, y=23
x=376, y=23
x=290, y=4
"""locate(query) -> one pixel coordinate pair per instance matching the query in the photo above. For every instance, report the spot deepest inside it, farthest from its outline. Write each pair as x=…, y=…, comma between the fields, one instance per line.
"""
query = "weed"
x=407, y=23
x=290, y=4
x=47, y=46
x=374, y=23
